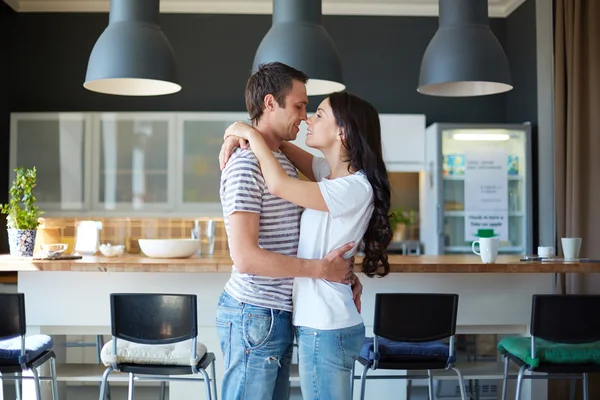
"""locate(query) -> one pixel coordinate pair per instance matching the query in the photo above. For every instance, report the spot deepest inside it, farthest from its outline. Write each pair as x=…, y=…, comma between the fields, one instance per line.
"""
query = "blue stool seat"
x=35, y=346
x=392, y=351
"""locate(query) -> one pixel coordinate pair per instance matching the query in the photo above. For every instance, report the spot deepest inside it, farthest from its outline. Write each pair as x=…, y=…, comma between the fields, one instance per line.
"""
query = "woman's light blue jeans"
x=326, y=361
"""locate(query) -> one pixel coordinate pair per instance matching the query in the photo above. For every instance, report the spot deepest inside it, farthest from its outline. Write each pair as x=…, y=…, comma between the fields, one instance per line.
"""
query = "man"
x=254, y=319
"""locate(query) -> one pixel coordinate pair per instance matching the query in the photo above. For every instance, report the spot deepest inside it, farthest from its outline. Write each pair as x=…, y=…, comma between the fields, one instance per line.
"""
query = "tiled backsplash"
x=127, y=231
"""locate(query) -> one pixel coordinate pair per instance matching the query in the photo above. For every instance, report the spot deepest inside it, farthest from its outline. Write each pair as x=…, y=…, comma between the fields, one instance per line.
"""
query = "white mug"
x=571, y=247
x=545, y=251
x=488, y=249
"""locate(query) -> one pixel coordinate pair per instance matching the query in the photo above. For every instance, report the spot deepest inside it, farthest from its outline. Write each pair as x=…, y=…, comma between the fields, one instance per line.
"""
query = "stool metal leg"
x=130, y=389
x=572, y=388
x=461, y=383
x=99, y=345
x=206, y=383
x=163, y=390
x=104, y=382
x=214, y=379
x=586, y=395
x=17, y=387
x=54, y=377
x=505, y=381
x=520, y=382
x=363, y=382
x=430, y=384
x=352, y=381
x=38, y=388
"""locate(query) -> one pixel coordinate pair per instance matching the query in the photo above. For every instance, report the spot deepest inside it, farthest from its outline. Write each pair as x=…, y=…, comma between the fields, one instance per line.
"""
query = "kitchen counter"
x=72, y=297
x=221, y=262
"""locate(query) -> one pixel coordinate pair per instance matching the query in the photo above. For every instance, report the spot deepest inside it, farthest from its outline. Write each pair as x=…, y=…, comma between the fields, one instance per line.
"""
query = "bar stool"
x=564, y=342
x=155, y=336
x=19, y=353
x=408, y=329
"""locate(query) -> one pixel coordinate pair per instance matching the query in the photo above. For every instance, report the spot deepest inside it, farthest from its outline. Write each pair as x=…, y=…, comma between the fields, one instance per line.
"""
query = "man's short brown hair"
x=272, y=78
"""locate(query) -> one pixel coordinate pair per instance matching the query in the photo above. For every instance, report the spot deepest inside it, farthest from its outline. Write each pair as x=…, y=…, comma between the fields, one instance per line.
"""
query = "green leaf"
x=21, y=211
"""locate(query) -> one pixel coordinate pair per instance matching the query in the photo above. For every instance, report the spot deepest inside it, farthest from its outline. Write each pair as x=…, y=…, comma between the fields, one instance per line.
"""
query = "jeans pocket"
x=351, y=342
x=258, y=327
x=224, y=333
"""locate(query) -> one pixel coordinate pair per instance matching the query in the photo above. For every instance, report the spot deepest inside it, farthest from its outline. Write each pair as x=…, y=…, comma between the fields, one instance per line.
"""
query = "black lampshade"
x=132, y=57
x=298, y=39
x=464, y=58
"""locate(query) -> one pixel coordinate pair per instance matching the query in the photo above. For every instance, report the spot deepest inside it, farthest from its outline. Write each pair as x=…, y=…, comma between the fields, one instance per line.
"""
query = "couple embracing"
x=292, y=240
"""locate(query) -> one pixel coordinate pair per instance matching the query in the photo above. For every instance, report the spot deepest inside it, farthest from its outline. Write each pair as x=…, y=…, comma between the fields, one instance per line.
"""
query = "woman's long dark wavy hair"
x=362, y=132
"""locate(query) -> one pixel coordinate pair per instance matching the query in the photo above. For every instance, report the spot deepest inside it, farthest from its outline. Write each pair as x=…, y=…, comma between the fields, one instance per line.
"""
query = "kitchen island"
x=71, y=297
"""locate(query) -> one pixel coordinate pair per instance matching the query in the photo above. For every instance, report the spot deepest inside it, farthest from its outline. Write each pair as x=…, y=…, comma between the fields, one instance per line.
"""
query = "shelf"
x=468, y=249
x=462, y=213
x=462, y=178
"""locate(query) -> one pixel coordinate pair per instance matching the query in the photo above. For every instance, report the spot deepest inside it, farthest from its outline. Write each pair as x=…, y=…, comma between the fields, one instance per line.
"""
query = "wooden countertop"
x=221, y=262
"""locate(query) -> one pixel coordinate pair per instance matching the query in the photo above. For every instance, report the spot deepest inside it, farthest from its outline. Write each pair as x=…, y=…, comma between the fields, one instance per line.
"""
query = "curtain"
x=577, y=145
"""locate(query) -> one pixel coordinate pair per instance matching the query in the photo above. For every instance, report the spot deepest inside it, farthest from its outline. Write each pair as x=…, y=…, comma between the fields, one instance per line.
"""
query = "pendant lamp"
x=464, y=58
x=132, y=57
x=298, y=39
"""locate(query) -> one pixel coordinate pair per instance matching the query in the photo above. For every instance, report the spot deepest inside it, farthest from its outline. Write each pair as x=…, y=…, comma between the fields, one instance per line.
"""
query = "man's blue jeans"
x=257, y=346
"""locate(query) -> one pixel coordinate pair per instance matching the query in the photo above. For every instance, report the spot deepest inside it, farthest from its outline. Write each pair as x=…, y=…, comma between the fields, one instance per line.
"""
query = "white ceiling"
x=497, y=8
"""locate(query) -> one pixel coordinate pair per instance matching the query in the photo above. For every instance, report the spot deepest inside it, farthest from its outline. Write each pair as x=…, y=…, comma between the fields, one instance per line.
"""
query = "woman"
x=348, y=200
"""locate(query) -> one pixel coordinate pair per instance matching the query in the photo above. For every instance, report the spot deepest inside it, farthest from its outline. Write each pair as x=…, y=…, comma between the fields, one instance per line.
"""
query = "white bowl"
x=169, y=248
x=109, y=250
x=54, y=250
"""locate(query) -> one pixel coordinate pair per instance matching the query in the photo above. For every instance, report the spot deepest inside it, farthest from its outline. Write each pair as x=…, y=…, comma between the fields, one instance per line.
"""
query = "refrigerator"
x=477, y=182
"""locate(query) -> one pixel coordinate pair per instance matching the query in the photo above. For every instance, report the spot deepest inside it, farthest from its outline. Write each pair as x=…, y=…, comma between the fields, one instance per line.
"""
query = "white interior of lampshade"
x=132, y=86
x=315, y=87
x=464, y=88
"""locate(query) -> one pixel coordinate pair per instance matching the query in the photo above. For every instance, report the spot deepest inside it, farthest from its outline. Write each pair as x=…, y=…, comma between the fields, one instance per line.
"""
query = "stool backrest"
x=12, y=315
x=153, y=318
x=415, y=317
x=566, y=318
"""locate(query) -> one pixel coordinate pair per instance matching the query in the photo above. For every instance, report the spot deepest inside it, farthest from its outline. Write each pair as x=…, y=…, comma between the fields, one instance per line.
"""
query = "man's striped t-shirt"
x=243, y=189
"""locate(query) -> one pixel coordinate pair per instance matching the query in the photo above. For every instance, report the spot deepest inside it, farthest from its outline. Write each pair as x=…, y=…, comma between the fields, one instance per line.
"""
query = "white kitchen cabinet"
x=59, y=146
x=133, y=162
x=402, y=141
x=199, y=140
x=152, y=163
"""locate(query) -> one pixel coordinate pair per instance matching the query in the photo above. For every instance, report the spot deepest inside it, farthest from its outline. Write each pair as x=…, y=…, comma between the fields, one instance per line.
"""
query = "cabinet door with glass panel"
x=59, y=146
x=133, y=166
x=199, y=140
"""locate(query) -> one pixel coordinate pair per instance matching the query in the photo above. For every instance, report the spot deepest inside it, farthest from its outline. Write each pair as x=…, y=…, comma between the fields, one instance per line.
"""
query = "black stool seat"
x=409, y=330
x=19, y=352
x=138, y=320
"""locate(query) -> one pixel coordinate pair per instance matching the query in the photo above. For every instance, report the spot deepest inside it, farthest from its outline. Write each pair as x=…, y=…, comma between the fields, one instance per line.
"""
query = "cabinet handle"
x=440, y=220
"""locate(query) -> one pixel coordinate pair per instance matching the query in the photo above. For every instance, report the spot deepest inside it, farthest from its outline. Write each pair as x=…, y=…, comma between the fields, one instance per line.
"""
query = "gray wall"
x=521, y=102
x=5, y=91
x=381, y=58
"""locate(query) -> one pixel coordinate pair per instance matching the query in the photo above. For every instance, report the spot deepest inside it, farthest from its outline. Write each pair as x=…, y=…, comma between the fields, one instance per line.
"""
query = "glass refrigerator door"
x=483, y=188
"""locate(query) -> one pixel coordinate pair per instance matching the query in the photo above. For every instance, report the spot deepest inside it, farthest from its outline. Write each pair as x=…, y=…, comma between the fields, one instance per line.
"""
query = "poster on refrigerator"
x=486, y=223
x=486, y=194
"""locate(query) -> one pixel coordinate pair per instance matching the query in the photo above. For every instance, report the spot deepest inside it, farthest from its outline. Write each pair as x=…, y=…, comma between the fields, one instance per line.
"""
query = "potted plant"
x=401, y=222
x=21, y=213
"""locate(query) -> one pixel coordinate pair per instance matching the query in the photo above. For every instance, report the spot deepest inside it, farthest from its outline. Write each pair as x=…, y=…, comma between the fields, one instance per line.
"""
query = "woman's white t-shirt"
x=318, y=303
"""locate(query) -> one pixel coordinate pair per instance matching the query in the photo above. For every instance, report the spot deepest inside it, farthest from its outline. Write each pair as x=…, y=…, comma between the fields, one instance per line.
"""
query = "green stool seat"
x=550, y=352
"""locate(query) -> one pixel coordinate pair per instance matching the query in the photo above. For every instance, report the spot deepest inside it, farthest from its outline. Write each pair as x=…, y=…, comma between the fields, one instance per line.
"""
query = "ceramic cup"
x=545, y=251
x=488, y=249
x=571, y=247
